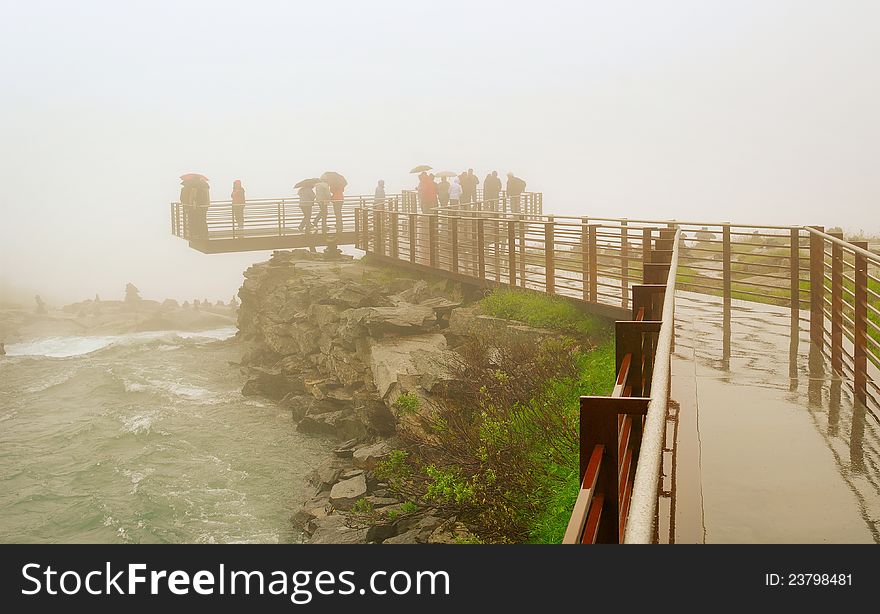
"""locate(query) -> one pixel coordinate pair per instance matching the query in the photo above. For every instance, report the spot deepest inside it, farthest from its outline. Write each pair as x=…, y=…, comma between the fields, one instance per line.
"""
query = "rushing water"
x=144, y=438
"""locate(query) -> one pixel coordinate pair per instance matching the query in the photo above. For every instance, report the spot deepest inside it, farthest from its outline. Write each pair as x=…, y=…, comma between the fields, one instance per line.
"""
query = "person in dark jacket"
x=443, y=192
x=201, y=202
x=306, y=202
x=515, y=188
x=238, y=204
x=491, y=190
x=379, y=195
x=468, y=183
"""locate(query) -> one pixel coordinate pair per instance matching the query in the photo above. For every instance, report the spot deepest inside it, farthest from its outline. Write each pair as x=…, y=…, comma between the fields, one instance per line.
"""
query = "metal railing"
x=283, y=217
x=609, y=263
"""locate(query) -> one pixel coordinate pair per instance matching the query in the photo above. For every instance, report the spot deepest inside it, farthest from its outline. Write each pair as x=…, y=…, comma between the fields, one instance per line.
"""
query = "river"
x=144, y=438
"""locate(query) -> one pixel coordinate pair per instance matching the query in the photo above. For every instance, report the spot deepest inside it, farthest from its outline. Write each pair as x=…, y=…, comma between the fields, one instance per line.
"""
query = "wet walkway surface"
x=771, y=447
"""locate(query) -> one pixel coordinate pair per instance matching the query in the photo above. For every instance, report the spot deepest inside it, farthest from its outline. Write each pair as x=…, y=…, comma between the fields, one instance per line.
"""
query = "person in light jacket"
x=455, y=192
x=322, y=198
x=238, y=204
x=306, y=203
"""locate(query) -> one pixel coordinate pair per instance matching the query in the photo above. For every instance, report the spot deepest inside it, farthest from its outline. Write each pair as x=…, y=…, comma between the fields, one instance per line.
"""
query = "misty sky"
x=752, y=111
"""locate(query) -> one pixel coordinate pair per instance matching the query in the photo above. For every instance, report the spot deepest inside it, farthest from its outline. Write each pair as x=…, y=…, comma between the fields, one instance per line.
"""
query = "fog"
x=753, y=111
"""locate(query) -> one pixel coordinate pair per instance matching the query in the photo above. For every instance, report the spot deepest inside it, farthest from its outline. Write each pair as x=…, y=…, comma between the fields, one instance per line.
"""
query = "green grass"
x=542, y=311
x=561, y=484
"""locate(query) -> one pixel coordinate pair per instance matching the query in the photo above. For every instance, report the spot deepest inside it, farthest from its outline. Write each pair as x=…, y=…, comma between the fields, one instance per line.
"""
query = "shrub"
x=407, y=404
x=542, y=311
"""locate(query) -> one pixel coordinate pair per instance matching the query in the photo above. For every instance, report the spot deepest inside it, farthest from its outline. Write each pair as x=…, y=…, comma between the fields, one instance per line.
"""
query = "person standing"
x=337, y=196
x=322, y=197
x=379, y=195
x=491, y=190
x=306, y=202
x=469, y=183
x=443, y=192
x=238, y=204
x=427, y=193
x=455, y=192
x=202, y=202
x=515, y=188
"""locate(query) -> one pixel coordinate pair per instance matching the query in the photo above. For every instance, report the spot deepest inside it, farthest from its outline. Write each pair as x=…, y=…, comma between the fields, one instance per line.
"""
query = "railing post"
x=522, y=249
x=279, y=218
x=817, y=287
x=453, y=233
x=433, y=239
x=646, y=247
x=860, y=326
x=511, y=252
x=413, y=238
x=357, y=228
x=585, y=258
x=600, y=428
x=481, y=246
x=393, y=236
x=594, y=264
x=837, y=304
x=549, y=258
x=378, y=224
x=726, y=274
x=624, y=265
x=795, y=274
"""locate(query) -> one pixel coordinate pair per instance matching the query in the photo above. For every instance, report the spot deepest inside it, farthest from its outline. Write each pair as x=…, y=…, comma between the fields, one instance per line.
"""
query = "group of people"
x=321, y=195
x=462, y=189
x=316, y=197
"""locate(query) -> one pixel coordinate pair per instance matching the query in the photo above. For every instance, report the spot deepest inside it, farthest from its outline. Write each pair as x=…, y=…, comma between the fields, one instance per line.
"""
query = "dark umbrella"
x=334, y=179
x=191, y=176
x=307, y=183
x=421, y=168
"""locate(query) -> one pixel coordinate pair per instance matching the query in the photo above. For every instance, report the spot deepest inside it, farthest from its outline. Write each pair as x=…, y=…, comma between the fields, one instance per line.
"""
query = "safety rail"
x=613, y=428
x=608, y=263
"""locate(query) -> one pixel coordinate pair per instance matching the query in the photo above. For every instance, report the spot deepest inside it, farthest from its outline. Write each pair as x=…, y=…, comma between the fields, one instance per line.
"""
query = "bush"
x=498, y=449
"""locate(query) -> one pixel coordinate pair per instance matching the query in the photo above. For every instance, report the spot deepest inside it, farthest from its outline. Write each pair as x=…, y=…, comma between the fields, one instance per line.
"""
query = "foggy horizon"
x=750, y=112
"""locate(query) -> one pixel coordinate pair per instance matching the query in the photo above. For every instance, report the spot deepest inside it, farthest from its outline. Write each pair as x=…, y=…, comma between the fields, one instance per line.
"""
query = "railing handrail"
x=855, y=249
x=643, y=504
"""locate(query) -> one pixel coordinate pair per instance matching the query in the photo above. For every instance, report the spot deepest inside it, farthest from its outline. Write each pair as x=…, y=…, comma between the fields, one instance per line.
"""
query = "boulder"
x=369, y=456
x=392, y=357
x=341, y=424
x=345, y=492
x=298, y=405
x=333, y=529
x=272, y=385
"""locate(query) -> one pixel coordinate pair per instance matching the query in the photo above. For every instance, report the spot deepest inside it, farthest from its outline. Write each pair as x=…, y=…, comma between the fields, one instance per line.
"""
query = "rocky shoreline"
x=337, y=342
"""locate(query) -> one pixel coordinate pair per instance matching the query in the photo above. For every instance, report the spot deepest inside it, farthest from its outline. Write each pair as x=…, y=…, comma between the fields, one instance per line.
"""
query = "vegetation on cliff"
x=498, y=448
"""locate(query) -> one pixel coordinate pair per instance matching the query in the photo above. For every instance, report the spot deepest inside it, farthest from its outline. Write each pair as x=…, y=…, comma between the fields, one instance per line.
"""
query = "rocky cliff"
x=338, y=341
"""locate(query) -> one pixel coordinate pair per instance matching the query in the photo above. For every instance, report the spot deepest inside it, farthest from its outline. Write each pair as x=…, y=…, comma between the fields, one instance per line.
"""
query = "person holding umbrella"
x=238, y=204
x=427, y=192
x=337, y=185
x=322, y=197
x=306, y=195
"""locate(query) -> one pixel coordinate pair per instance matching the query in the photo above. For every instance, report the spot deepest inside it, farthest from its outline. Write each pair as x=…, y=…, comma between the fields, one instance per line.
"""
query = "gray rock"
x=298, y=405
x=369, y=456
x=344, y=493
x=392, y=357
x=273, y=385
x=341, y=424
x=332, y=529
